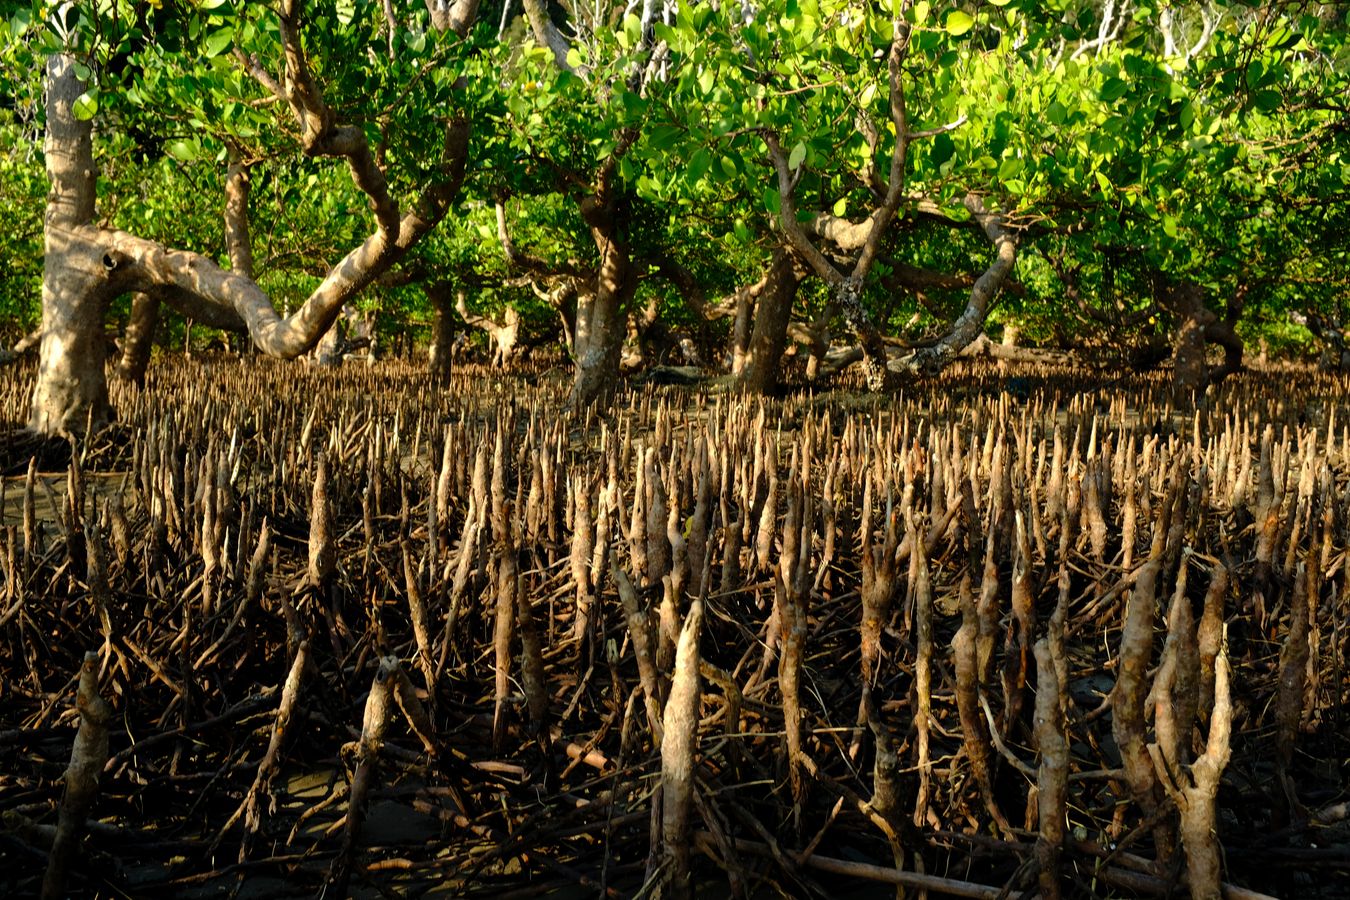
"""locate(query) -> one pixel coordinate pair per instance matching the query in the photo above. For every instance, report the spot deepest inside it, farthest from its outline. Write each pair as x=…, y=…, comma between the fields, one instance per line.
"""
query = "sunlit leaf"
x=958, y=23
x=85, y=106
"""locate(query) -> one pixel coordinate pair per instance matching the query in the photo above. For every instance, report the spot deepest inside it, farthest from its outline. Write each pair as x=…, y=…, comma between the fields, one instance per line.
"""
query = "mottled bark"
x=238, y=241
x=759, y=373
x=505, y=334
x=546, y=34
x=72, y=391
x=1190, y=371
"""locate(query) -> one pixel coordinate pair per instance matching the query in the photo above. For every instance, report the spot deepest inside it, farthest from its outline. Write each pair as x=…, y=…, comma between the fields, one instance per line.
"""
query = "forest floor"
x=359, y=633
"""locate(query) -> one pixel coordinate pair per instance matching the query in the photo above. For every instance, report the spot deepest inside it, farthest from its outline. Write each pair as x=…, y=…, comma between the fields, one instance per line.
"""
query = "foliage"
x=1205, y=142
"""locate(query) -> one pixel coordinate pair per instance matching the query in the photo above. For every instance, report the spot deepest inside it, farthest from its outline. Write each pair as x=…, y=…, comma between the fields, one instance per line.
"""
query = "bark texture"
x=441, y=352
x=72, y=392
x=760, y=368
x=139, y=338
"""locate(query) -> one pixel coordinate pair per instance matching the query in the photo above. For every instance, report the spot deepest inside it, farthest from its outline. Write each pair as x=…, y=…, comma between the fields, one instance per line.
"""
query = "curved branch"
x=970, y=324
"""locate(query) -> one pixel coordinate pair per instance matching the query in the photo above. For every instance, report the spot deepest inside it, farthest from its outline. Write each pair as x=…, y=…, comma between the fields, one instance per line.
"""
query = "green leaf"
x=705, y=80
x=1267, y=101
x=632, y=31
x=772, y=202
x=217, y=42
x=182, y=150
x=1113, y=89
x=574, y=57
x=796, y=156
x=699, y=165
x=1169, y=224
x=944, y=148
x=85, y=106
x=1011, y=168
x=1104, y=183
x=841, y=206
x=958, y=22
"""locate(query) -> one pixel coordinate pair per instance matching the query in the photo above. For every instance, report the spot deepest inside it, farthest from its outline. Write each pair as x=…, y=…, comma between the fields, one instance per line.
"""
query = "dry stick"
x=417, y=611
x=680, y=726
x=533, y=677
x=271, y=761
x=1209, y=635
x=878, y=587
x=1017, y=643
x=791, y=597
x=253, y=587
x=1127, y=721
x=415, y=712
x=322, y=530
x=87, y=758
x=1194, y=795
x=508, y=586
x=850, y=869
x=1293, y=677
x=583, y=536
x=923, y=636
x=373, y=724
x=1053, y=774
x=464, y=567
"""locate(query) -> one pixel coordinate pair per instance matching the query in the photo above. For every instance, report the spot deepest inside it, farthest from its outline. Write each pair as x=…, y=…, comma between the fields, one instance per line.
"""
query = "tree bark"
x=1190, y=370
x=600, y=320
x=970, y=324
x=439, y=357
x=139, y=338
x=72, y=391
x=759, y=374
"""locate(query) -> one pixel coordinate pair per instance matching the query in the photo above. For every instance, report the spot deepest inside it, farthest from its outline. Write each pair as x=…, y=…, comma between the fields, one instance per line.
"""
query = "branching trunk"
x=86, y=267
x=505, y=334
x=71, y=391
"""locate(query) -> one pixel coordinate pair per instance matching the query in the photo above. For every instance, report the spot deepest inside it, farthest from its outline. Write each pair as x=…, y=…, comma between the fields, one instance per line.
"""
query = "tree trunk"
x=740, y=332
x=970, y=324
x=72, y=388
x=600, y=322
x=1190, y=371
x=439, y=356
x=139, y=338
x=328, y=353
x=769, y=336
